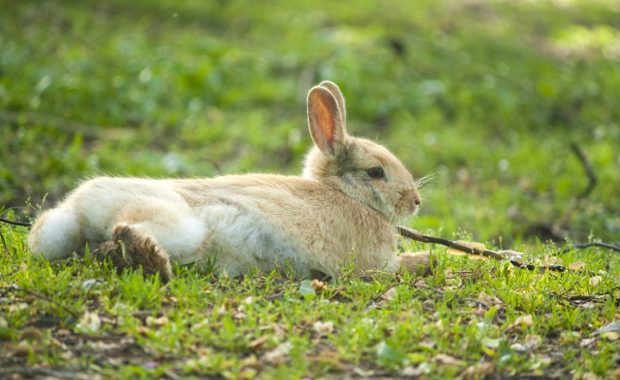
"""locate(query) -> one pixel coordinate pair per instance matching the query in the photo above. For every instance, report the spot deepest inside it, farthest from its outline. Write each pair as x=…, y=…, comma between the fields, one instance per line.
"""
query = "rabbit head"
x=362, y=169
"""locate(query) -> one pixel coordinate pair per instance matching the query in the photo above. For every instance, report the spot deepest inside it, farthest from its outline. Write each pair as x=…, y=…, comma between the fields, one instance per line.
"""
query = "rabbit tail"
x=55, y=234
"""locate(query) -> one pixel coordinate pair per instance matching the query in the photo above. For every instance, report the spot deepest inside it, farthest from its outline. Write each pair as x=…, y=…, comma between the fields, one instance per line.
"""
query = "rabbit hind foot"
x=131, y=248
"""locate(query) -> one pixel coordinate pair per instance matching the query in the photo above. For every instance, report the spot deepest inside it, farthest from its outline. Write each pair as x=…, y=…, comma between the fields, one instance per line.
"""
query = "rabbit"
x=342, y=210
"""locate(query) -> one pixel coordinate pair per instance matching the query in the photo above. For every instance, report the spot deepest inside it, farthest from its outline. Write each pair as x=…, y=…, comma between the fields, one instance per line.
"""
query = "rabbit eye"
x=376, y=172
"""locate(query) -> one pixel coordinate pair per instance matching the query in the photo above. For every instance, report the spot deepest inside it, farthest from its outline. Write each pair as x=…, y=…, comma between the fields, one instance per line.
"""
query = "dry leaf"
x=250, y=361
x=239, y=316
x=595, y=281
x=520, y=322
x=323, y=328
x=478, y=371
x=469, y=244
x=279, y=354
x=488, y=300
x=389, y=294
x=17, y=307
x=156, y=322
x=318, y=285
x=422, y=369
x=589, y=376
x=532, y=341
x=577, y=265
x=89, y=324
x=258, y=342
x=552, y=260
x=518, y=347
x=611, y=336
x=586, y=342
x=449, y=360
x=31, y=334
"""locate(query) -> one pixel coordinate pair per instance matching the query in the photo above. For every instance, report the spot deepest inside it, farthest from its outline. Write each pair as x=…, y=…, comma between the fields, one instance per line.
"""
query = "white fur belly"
x=241, y=242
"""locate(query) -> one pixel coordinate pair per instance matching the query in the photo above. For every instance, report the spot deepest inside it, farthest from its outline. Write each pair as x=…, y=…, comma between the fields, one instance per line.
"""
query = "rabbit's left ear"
x=326, y=121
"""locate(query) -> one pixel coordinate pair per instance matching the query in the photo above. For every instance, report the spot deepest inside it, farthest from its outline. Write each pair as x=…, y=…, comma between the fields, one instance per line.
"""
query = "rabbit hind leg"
x=132, y=248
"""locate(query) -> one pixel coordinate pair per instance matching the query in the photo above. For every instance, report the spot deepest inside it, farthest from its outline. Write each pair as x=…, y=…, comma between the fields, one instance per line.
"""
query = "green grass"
x=488, y=95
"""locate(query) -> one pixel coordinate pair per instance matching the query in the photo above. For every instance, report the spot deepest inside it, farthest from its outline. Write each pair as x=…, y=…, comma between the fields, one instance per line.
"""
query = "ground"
x=496, y=100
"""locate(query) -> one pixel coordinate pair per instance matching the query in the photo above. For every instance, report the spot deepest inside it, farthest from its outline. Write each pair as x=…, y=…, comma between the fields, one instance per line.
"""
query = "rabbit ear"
x=335, y=90
x=325, y=121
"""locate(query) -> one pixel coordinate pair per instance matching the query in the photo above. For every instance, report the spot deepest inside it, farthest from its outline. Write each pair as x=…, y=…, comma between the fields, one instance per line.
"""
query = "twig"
x=415, y=235
x=588, y=245
x=15, y=223
x=587, y=166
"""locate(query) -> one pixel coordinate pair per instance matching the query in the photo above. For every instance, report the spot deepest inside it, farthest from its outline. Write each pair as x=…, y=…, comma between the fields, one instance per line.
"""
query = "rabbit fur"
x=342, y=210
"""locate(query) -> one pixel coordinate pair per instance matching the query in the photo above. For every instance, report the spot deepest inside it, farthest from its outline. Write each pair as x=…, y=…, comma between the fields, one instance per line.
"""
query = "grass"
x=488, y=95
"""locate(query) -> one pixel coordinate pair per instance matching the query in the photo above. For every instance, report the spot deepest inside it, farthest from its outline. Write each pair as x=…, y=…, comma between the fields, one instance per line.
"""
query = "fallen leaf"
x=250, y=361
x=258, y=342
x=23, y=348
x=491, y=342
x=586, y=342
x=518, y=347
x=86, y=285
x=478, y=371
x=323, y=328
x=595, y=281
x=421, y=284
x=488, y=300
x=389, y=294
x=279, y=354
x=89, y=324
x=521, y=322
x=611, y=336
x=156, y=322
x=318, y=285
x=421, y=369
x=449, y=360
x=589, y=376
x=577, y=265
x=239, y=316
x=532, y=341
x=31, y=334
x=551, y=260
x=17, y=307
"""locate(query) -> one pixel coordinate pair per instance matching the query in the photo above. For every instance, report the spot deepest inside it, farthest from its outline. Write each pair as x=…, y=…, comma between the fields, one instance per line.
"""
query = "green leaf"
x=389, y=356
x=306, y=290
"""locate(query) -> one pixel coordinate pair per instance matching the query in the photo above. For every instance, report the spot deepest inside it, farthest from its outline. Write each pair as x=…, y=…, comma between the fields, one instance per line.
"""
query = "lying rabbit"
x=342, y=210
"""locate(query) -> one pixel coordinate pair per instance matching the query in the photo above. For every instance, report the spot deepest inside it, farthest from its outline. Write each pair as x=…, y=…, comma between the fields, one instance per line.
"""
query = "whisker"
x=423, y=181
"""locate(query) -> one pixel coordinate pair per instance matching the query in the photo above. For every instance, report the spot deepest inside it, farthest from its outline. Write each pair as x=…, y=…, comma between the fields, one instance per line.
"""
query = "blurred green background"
x=487, y=95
